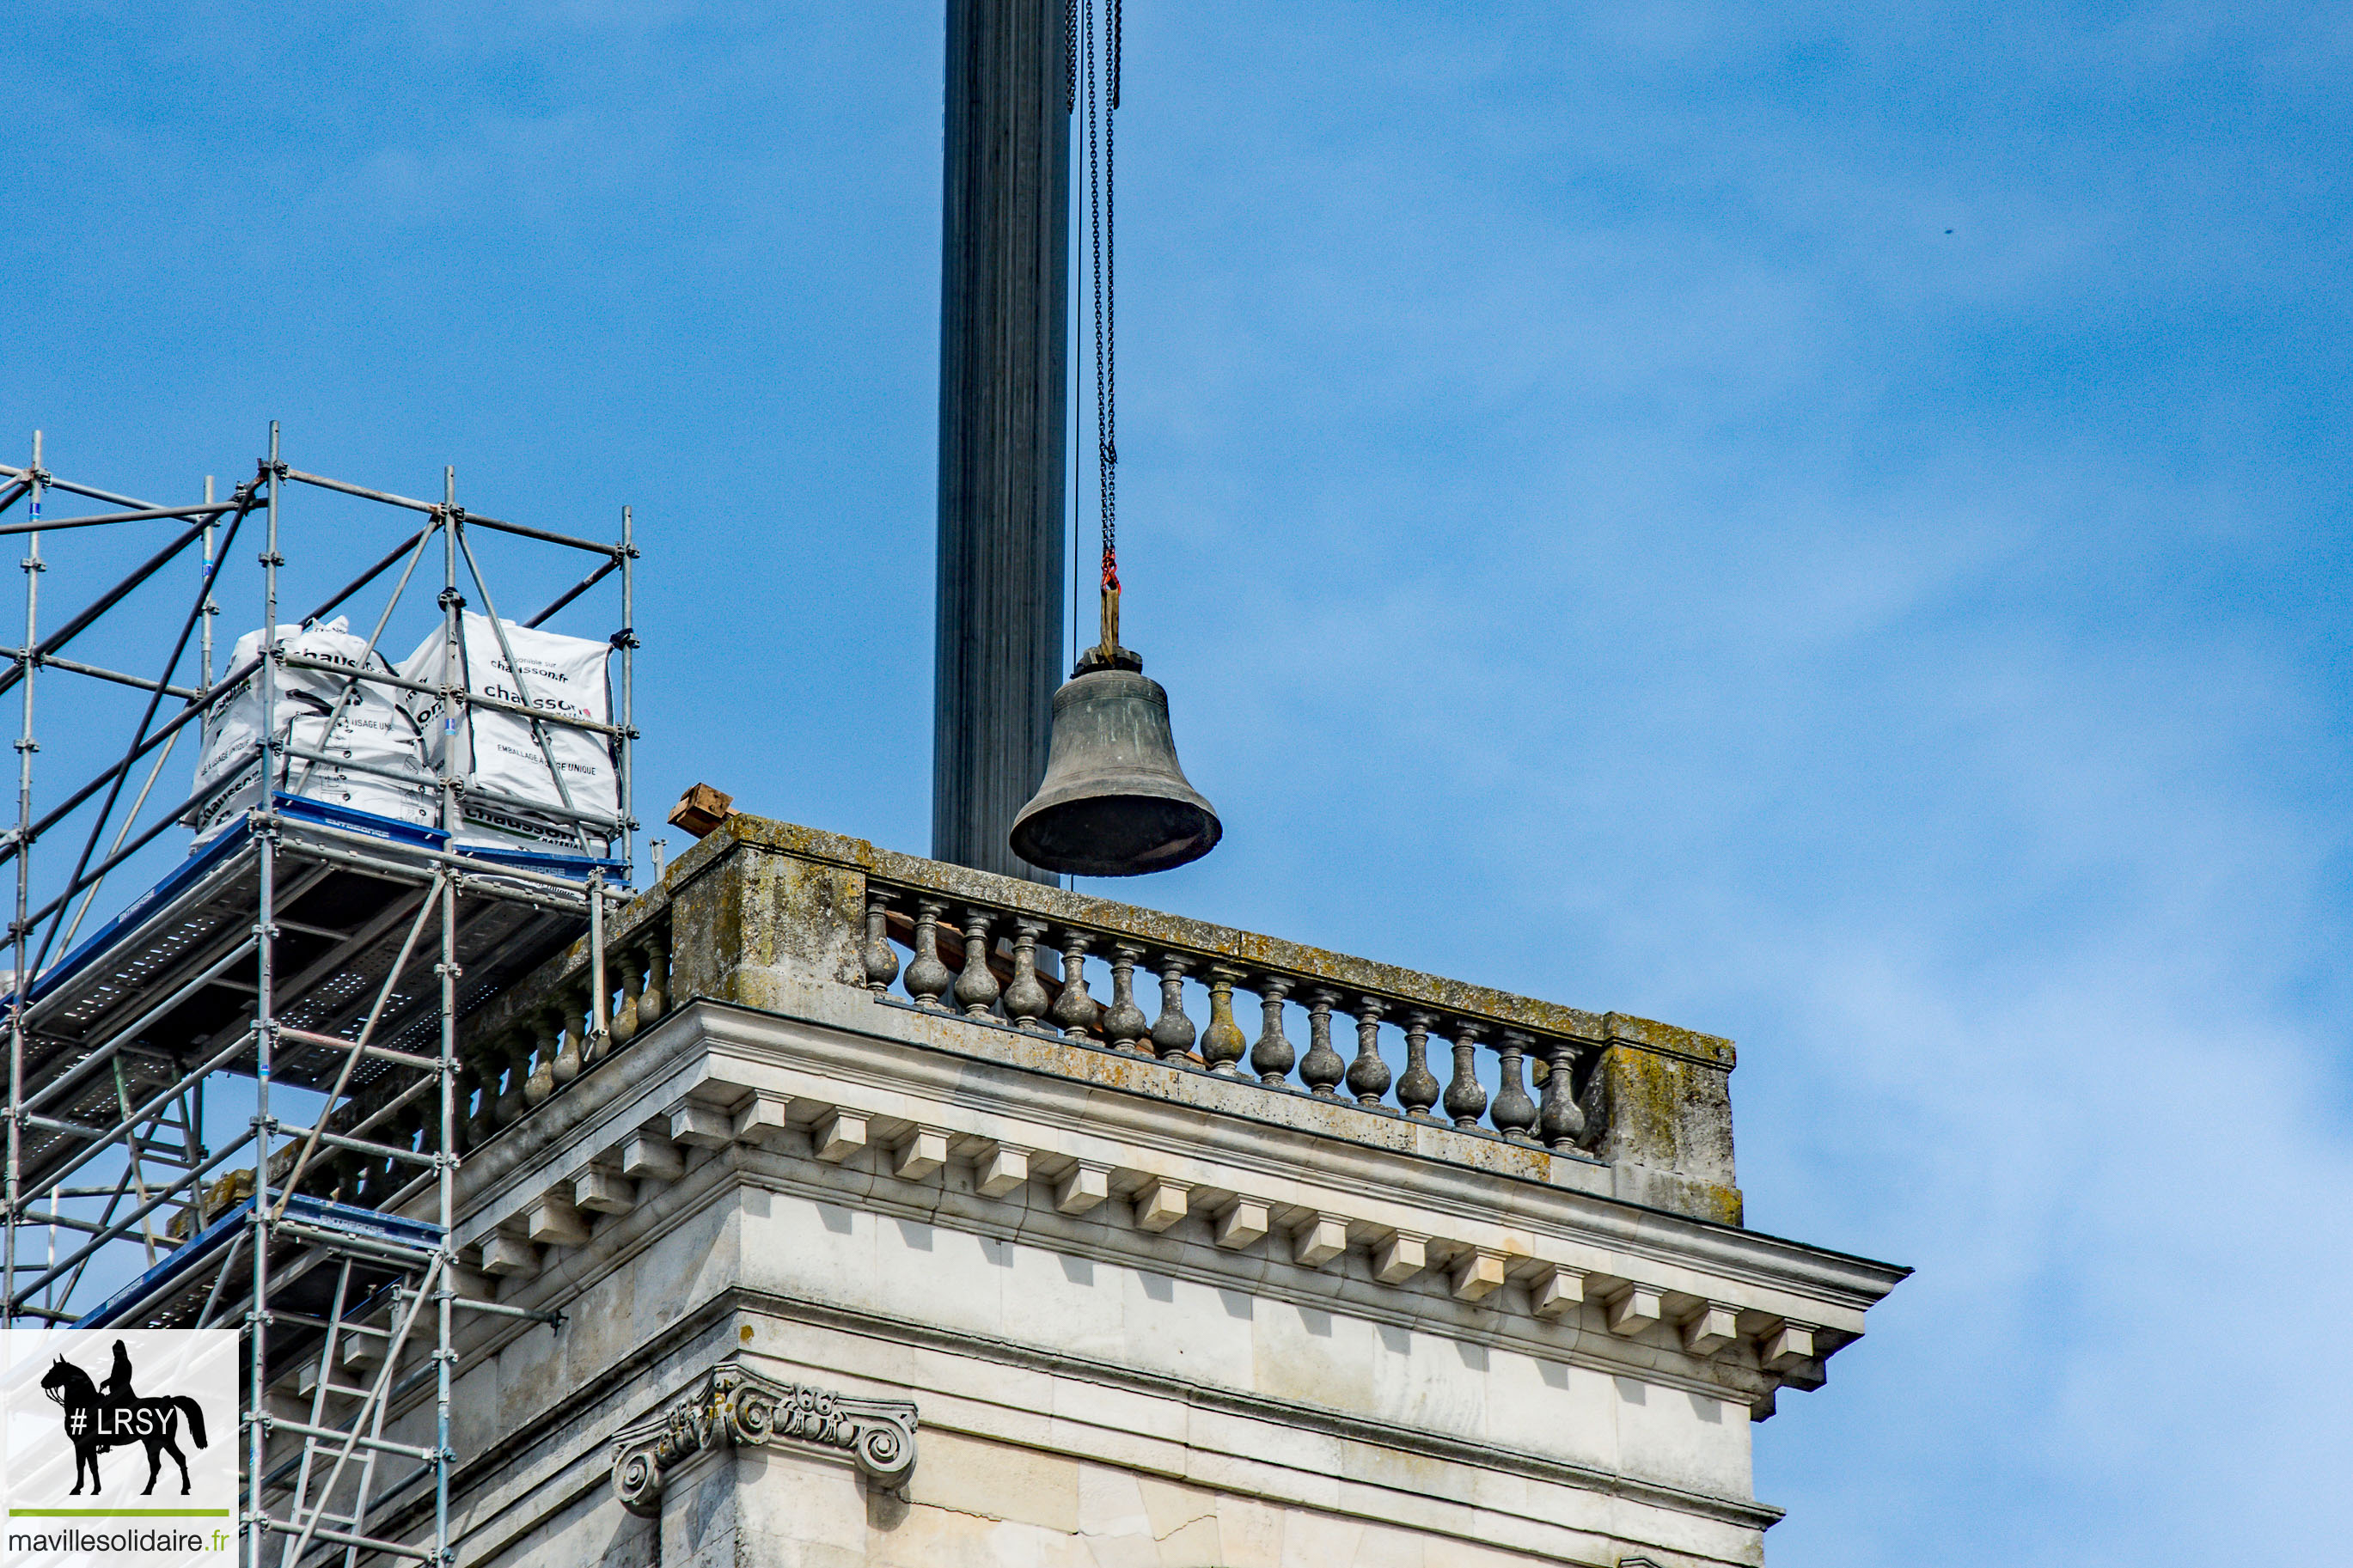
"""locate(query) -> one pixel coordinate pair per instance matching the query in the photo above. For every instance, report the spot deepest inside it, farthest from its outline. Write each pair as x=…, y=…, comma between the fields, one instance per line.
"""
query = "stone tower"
x=868, y=1238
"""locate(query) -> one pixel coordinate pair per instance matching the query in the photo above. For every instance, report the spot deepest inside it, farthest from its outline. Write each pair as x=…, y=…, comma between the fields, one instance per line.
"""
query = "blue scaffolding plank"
x=187, y=1260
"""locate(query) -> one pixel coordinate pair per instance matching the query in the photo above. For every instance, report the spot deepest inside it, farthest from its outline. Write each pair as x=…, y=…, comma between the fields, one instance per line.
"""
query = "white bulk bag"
x=374, y=733
x=496, y=752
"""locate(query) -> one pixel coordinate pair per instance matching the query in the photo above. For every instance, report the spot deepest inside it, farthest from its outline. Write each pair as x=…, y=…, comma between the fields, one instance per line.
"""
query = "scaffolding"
x=307, y=961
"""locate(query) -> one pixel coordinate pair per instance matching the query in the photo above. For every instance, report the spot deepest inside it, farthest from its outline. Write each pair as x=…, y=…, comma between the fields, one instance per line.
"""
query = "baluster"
x=377, y=1172
x=384, y=1179
x=1273, y=1058
x=490, y=1060
x=1172, y=1032
x=596, y=1044
x=512, y=1101
x=1074, y=1010
x=1515, y=1113
x=927, y=977
x=1464, y=1099
x=1417, y=1087
x=879, y=958
x=1562, y=1125
x=389, y=1172
x=1369, y=1076
x=976, y=988
x=1125, y=1024
x=1026, y=998
x=412, y=1138
x=1323, y=1067
x=569, y=1057
x=1222, y=1042
x=541, y=1083
x=655, y=998
x=462, y=1126
x=633, y=985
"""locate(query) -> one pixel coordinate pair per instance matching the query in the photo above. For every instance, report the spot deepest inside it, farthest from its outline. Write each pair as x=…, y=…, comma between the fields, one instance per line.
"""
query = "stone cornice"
x=734, y=1407
x=852, y=1046
x=770, y=1081
x=1168, y=1113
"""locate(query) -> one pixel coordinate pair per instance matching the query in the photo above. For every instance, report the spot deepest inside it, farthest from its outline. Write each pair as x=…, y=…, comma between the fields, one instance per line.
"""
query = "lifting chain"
x=1098, y=64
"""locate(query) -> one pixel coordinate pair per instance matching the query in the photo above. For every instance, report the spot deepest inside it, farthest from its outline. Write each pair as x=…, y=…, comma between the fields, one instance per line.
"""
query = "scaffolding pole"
x=105, y=1129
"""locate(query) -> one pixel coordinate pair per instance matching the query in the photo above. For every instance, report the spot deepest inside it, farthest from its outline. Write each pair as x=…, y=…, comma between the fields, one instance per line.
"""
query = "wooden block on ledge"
x=703, y=808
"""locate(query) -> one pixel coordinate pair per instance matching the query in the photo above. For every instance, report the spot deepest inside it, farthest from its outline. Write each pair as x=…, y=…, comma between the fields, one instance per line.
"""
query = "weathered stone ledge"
x=770, y=915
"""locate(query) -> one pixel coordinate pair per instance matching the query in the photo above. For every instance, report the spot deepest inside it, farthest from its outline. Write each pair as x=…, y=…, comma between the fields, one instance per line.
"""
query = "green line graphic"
x=118, y=1513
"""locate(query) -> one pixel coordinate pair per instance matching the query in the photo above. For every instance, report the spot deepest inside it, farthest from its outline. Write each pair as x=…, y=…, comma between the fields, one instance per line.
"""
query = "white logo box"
x=63, y=1394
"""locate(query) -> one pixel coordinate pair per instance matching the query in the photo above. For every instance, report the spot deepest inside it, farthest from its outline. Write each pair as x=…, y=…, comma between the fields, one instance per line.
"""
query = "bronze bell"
x=1114, y=802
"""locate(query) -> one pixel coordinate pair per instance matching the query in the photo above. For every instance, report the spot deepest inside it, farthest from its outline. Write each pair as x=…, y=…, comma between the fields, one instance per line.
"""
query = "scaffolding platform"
x=164, y=988
x=303, y=945
x=384, y=1248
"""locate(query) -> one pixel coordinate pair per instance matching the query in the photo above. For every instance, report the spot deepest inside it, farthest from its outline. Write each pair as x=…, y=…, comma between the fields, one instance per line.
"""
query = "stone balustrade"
x=759, y=905
x=1034, y=977
x=533, y=1041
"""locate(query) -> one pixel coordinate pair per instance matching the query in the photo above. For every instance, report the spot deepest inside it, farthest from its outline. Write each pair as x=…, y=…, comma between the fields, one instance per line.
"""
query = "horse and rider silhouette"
x=98, y=1419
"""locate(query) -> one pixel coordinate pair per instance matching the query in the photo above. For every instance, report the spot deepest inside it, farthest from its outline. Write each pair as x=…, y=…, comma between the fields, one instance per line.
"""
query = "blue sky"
x=1823, y=525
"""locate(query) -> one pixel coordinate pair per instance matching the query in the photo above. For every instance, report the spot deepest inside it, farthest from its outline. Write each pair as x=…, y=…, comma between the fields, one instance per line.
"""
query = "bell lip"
x=1180, y=851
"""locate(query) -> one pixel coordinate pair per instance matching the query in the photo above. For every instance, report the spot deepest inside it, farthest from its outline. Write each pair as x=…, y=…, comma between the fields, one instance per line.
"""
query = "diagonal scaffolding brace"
x=302, y=949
